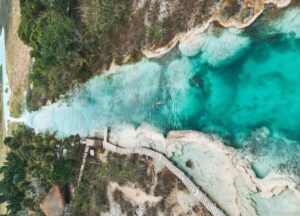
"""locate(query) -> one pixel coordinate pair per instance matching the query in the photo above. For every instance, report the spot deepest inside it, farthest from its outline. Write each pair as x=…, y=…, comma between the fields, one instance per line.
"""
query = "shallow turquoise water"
x=252, y=94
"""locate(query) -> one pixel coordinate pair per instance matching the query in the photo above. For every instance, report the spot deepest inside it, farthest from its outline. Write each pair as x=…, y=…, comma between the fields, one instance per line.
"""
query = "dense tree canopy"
x=68, y=49
x=35, y=162
x=13, y=185
x=48, y=27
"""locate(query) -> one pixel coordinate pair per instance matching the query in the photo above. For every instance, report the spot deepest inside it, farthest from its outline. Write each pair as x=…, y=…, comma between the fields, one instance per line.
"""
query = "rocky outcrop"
x=227, y=13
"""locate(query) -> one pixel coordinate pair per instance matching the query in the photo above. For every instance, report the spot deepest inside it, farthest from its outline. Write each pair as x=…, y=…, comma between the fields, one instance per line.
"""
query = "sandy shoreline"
x=18, y=60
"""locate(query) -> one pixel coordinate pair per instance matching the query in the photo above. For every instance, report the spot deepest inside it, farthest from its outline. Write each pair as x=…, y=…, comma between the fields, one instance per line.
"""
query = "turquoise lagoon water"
x=249, y=95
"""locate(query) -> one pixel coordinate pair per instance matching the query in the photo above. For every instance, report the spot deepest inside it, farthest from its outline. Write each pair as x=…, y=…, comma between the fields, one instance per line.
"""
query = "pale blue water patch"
x=5, y=85
x=289, y=23
x=216, y=47
x=259, y=88
x=105, y=100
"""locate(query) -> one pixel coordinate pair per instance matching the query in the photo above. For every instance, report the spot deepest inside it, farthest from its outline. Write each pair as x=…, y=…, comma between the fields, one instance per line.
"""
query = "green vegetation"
x=15, y=103
x=105, y=21
x=91, y=198
x=66, y=50
x=34, y=163
x=48, y=27
x=72, y=40
x=155, y=31
x=3, y=149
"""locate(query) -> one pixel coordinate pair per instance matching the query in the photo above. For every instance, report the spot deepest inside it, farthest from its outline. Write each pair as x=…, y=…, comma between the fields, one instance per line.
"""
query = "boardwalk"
x=199, y=195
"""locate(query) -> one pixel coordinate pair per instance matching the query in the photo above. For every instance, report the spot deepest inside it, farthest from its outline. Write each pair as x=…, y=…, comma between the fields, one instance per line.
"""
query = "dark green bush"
x=35, y=159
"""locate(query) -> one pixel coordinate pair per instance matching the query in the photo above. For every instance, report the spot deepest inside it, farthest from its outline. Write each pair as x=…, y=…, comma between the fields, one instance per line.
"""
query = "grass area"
x=15, y=103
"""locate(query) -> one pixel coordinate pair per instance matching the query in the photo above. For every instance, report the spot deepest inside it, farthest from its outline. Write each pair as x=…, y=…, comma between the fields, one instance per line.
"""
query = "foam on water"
x=259, y=89
x=217, y=48
x=104, y=100
x=289, y=23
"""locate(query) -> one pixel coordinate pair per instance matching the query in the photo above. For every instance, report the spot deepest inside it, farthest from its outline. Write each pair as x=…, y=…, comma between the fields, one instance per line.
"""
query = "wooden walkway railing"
x=199, y=195
x=83, y=162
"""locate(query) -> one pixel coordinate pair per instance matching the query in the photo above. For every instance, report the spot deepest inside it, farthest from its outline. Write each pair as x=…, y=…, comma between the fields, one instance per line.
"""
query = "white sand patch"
x=115, y=209
x=102, y=156
x=139, y=4
x=135, y=195
x=167, y=9
x=146, y=136
x=185, y=200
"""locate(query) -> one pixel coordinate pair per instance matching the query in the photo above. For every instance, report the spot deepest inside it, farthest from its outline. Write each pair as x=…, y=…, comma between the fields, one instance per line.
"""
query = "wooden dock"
x=199, y=194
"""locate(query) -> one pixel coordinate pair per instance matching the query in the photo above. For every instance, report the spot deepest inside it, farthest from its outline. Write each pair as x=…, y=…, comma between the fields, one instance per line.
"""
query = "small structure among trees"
x=33, y=165
x=53, y=204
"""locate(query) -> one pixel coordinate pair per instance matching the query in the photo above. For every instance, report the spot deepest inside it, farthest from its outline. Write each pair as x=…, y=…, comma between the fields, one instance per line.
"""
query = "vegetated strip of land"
x=18, y=60
x=4, y=15
x=3, y=149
